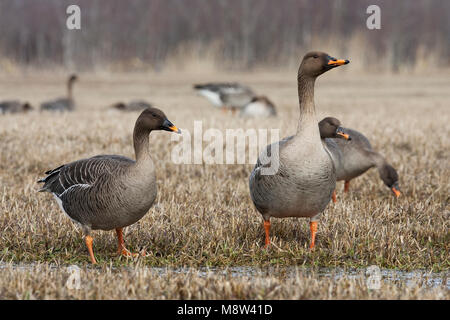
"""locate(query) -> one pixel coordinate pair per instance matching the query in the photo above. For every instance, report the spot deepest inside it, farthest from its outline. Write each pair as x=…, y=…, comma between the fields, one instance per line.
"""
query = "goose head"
x=73, y=78
x=154, y=119
x=330, y=127
x=119, y=106
x=315, y=63
x=27, y=107
x=390, y=178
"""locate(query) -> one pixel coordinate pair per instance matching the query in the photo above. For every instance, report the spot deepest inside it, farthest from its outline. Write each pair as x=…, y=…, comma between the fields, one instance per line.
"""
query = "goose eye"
x=316, y=56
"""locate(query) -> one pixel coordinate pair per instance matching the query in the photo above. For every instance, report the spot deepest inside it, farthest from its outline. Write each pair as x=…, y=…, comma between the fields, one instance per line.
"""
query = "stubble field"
x=203, y=216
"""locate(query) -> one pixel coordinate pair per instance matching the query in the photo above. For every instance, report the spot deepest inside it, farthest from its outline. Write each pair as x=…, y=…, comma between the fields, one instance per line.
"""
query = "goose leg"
x=333, y=196
x=267, y=229
x=88, y=239
x=313, y=228
x=346, y=186
x=122, y=249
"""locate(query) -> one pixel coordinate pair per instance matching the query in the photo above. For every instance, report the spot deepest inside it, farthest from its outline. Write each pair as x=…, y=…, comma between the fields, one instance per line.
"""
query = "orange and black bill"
x=169, y=126
x=333, y=62
x=396, y=192
x=341, y=134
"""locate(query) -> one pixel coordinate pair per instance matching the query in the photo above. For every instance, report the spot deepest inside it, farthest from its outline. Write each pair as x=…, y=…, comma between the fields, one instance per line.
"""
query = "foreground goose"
x=62, y=104
x=226, y=95
x=109, y=191
x=14, y=107
x=298, y=180
x=135, y=105
x=353, y=158
x=259, y=107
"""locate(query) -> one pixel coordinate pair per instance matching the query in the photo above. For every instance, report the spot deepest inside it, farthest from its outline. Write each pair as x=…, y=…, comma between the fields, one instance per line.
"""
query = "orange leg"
x=122, y=250
x=333, y=196
x=89, y=241
x=267, y=229
x=313, y=228
x=346, y=186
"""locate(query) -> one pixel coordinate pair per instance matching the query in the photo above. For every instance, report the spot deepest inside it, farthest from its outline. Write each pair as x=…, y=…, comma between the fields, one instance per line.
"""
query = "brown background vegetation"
x=234, y=34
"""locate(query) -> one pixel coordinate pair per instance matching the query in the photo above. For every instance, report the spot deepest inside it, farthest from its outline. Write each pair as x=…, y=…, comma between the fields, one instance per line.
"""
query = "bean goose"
x=353, y=158
x=14, y=107
x=109, y=191
x=62, y=104
x=226, y=95
x=135, y=105
x=298, y=180
x=259, y=107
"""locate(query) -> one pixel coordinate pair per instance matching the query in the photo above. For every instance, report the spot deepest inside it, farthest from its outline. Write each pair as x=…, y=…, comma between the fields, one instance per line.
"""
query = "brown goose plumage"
x=109, y=191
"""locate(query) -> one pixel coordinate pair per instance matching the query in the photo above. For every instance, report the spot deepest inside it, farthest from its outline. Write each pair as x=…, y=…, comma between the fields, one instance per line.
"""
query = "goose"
x=226, y=95
x=62, y=104
x=135, y=105
x=259, y=106
x=353, y=158
x=109, y=192
x=14, y=106
x=299, y=179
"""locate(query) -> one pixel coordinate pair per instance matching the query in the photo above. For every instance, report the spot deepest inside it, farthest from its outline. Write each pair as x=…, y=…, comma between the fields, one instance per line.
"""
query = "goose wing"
x=82, y=173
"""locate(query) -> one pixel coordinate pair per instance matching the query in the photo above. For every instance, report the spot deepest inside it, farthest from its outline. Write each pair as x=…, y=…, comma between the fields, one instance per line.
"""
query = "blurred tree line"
x=235, y=33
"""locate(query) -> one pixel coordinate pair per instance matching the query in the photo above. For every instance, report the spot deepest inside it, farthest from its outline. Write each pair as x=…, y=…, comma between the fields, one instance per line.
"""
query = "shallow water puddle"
x=414, y=278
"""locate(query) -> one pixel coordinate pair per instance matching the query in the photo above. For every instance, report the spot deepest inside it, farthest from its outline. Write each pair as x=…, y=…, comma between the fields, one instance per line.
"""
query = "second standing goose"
x=303, y=176
x=355, y=157
x=62, y=104
x=109, y=192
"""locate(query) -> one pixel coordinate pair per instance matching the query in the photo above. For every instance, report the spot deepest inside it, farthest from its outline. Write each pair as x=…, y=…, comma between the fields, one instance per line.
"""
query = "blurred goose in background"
x=297, y=181
x=353, y=158
x=62, y=104
x=226, y=95
x=109, y=191
x=135, y=105
x=259, y=107
x=14, y=107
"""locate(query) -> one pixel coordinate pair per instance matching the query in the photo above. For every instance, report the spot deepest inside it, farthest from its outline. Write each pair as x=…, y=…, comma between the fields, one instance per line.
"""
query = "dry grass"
x=204, y=215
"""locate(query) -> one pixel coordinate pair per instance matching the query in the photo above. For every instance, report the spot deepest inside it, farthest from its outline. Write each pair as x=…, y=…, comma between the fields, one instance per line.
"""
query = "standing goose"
x=226, y=95
x=62, y=104
x=259, y=107
x=304, y=177
x=109, y=191
x=14, y=107
x=353, y=158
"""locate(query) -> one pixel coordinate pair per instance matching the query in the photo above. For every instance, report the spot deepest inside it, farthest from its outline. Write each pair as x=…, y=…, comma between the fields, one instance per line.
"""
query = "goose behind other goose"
x=14, y=107
x=355, y=157
x=109, y=191
x=62, y=104
x=226, y=95
x=303, y=184
x=259, y=107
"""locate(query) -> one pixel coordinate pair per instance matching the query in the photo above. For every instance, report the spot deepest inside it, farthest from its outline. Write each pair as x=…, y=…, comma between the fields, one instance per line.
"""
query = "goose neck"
x=306, y=101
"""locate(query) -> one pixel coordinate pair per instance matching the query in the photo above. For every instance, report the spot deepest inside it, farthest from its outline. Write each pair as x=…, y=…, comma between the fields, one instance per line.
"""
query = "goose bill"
x=169, y=126
x=334, y=63
x=396, y=192
x=340, y=132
